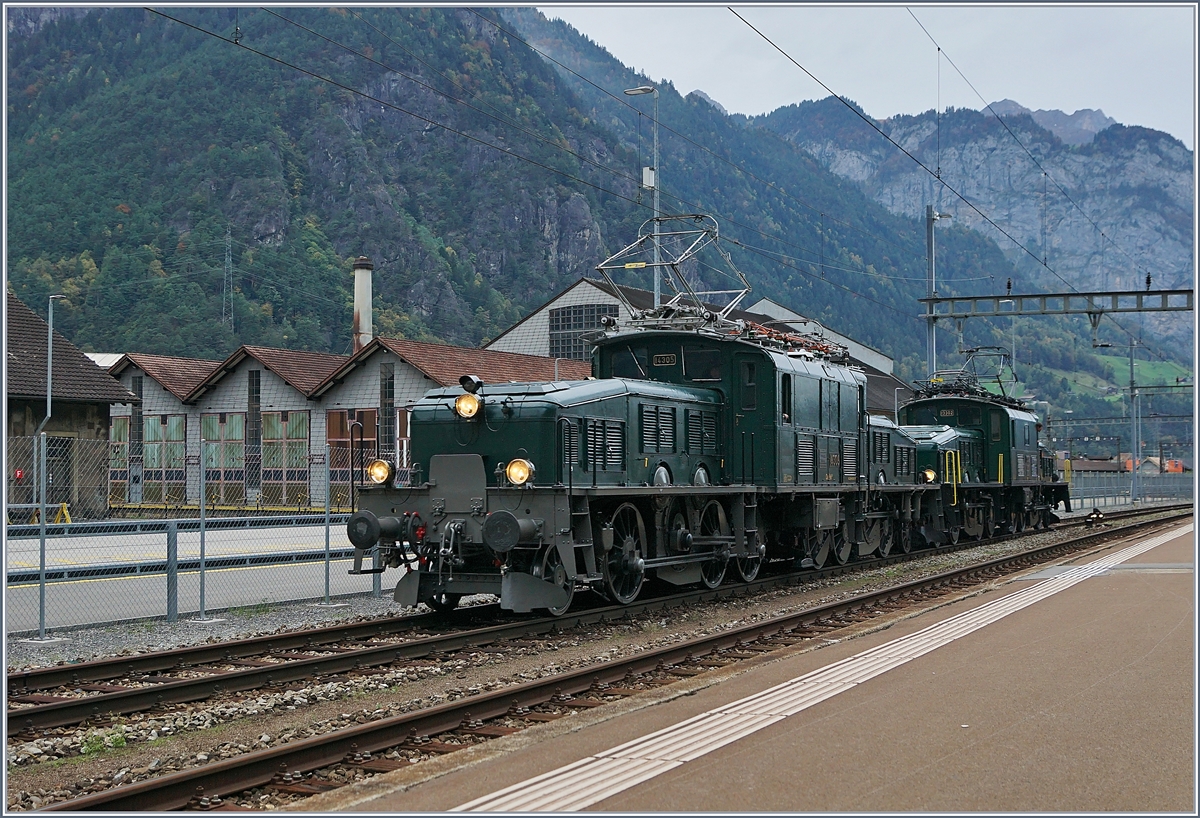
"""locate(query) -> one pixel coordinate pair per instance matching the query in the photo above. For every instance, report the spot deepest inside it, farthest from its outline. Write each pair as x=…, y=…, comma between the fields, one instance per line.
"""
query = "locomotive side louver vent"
x=701, y=432
x=805, y=458
x=904, y=464
x=605, y=444
x=570, y=444
x=850, y=460
x=881, y=446
x=658, y=428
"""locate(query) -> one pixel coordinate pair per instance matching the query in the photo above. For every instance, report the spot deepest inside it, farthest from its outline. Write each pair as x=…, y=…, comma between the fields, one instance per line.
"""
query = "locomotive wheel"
x=843, y=546
x=903, y=538
x=713, y=523
x=748, y=567
x=973, y=523
x=555, y=572
x=623, y=568
x=443, y=602
x=953, y=534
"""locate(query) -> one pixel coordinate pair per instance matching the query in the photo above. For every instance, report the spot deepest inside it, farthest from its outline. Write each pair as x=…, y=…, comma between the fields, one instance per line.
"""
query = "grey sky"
x=1137, y=63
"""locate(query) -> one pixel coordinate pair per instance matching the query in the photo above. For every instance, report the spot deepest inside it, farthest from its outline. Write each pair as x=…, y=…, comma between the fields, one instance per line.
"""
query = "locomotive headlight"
x=467, y=405
x=929, y=475
x=380, y=471
x=519, y=472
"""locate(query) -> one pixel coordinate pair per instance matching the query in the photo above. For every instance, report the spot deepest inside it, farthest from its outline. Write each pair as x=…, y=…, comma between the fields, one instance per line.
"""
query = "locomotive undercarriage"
x=534, y=547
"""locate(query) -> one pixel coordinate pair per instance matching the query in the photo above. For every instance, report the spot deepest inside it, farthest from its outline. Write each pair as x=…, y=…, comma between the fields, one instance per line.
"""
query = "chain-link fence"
x=1102, y=490
x=99, y=558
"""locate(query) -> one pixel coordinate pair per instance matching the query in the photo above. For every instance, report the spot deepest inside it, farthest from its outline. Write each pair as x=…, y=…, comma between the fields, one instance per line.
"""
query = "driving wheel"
x=624, y=566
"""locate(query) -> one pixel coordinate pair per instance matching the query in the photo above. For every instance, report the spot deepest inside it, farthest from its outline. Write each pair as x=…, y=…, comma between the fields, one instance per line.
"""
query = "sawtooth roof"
x=179, y=376
x=300, y=369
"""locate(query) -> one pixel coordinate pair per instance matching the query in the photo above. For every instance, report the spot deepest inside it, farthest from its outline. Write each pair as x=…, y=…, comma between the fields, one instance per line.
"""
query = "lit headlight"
x=929, y=475
x=467, y=405
x=519, y=472
x=380, y=471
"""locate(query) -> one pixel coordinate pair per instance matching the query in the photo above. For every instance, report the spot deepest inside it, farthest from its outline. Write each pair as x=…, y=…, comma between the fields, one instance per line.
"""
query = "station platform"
x=1069, y=688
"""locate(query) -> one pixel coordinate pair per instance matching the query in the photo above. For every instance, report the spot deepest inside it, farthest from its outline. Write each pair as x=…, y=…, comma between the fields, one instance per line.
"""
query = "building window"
x=284, y=458
x=253, y=429
x=344, y=455
x=223, y=441
x=164, y=479
x=118, y=460
x=387, y=412
x=569, y=324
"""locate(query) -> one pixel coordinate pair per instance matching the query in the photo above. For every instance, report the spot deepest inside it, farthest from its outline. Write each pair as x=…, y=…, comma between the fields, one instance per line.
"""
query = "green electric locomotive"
x=701, y=446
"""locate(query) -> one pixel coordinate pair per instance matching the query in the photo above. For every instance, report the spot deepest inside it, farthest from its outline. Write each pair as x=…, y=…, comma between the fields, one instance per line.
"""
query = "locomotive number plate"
x=664, y=360
x=946, y=413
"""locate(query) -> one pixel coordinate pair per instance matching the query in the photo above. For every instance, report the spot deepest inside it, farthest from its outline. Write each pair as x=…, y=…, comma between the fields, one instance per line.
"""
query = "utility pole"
x=1134, y=435
x=931, y=216
x=650, y=180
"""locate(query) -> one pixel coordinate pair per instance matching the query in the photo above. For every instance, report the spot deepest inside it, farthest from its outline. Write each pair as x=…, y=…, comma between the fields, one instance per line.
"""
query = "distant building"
x=560, y=329
x=77, y=431
x=266, y=415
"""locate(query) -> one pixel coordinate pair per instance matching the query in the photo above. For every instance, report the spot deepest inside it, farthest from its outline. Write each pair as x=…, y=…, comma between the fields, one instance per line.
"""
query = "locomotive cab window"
x=749, y=386
x=785, y=399
x=630, y=362
x=997, y=425
x=701, y=363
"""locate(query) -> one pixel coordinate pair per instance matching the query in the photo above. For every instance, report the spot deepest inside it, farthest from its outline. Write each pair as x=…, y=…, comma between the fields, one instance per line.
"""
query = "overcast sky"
x=1136, y=63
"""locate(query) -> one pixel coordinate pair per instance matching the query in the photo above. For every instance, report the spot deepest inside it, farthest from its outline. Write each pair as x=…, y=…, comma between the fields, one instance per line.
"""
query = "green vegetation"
x=136, y=144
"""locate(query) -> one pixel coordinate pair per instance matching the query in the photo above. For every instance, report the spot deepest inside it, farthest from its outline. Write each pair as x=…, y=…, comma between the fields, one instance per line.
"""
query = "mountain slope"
x=1127, y=209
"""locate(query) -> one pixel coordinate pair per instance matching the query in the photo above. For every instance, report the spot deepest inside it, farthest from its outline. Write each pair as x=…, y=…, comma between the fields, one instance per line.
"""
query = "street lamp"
x=41, y=438
x=896, y=403
x=650, y=180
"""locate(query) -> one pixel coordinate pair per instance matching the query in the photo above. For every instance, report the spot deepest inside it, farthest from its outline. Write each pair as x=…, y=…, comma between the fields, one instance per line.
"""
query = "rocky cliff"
x=1099, y=215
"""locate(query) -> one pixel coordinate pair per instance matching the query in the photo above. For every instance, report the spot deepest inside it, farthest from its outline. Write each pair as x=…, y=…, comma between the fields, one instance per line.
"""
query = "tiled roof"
x=300, y=369
x=179, y=376
x=303, y=370
x=446, y=364
x=76, y=377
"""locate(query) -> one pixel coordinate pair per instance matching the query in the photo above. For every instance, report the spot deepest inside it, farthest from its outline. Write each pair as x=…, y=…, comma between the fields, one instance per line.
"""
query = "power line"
x=691, y=141
x=919, y=163
x=500, y=148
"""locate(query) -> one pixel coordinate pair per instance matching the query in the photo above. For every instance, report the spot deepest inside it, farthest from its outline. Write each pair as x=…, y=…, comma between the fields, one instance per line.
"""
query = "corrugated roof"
x=76, y=377
x=179, y=376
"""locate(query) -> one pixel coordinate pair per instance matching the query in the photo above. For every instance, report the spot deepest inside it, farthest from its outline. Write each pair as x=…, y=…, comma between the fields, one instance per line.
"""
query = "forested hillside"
x=480, y=177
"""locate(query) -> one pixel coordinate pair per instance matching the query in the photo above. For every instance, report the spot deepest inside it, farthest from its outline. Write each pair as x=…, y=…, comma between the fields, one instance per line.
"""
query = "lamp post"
x=896, y=404
x=41, y=438
x=650, y=180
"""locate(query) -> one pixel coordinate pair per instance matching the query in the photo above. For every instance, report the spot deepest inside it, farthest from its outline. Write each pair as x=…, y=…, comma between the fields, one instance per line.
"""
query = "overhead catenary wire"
x=694, y=143
x=919, y=163
x=1045, y=174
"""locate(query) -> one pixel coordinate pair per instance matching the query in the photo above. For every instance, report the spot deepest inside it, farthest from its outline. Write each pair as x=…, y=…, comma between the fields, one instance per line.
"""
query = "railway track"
x=396, y=742
x=96, y=692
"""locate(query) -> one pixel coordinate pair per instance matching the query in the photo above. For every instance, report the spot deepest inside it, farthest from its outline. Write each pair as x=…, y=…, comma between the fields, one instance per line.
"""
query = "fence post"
x=172, y=570
x=327, y=504
x=41, y=637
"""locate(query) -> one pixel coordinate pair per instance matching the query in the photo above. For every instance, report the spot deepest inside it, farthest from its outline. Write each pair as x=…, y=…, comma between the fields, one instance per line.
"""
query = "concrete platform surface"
x=1081, y=701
